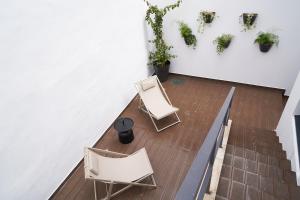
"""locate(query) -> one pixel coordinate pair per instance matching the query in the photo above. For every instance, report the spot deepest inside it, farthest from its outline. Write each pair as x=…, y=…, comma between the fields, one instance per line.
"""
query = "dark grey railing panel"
x=206, y=181
x=196, y=174
x=297, y=125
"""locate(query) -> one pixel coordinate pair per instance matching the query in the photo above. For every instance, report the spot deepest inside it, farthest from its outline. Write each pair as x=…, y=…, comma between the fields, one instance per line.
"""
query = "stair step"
x=289, y=176
x=256, y=164
x=268, y=196
x=285, y=164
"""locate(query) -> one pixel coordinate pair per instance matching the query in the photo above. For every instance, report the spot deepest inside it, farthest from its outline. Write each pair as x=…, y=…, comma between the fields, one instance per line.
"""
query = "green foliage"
x=161, y=55
x=267, y=38
x=223, y=42
x=154, y=18
x=204, y=18
x=187, y=34
x=248, y=20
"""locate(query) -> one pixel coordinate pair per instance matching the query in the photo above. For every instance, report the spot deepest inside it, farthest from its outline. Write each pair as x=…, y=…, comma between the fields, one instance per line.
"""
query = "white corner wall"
x=286, y=129
x=242, y=61
x=67, y=71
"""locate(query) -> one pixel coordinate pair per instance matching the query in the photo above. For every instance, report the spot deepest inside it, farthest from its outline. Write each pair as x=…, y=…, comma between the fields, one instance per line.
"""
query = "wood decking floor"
x=172, y=151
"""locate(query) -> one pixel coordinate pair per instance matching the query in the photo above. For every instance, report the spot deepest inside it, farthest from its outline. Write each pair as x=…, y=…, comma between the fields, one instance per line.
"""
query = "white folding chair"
x=155, y=102
x=115, y=168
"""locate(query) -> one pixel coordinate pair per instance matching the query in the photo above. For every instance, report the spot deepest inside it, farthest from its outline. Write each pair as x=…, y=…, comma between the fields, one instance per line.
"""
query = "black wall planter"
x=297, y=121
x=209, y=18
x=162, y=72
x=189, y=40
x=265, y=47
x=226, y=44
x=252, y=20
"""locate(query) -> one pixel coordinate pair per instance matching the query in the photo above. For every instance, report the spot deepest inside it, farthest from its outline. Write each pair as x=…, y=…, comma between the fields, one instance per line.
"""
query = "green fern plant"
x=266, y=38
x=187, y=34
x=266, y=41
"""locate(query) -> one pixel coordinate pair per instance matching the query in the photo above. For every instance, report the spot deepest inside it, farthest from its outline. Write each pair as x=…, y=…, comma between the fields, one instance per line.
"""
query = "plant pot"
x=245, y=16
x=162, y=72
x=209, y=18
x=189, y=39
x=226, y=44
x=265, y=47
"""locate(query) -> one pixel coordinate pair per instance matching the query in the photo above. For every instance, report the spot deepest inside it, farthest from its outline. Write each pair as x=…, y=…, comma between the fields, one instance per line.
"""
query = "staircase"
x=255, y=167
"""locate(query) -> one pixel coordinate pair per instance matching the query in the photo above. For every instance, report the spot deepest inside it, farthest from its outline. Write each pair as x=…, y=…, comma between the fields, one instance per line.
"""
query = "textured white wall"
x=67, y=70
x=242, y=61
x=286, y=129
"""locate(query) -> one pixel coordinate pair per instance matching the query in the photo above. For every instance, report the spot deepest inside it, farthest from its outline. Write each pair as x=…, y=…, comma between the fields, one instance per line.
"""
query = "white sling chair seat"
x=115, y=168
x=155, y=101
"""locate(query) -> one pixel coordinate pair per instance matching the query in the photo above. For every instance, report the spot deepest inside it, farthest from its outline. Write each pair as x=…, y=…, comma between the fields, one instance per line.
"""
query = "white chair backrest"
x=127, y=169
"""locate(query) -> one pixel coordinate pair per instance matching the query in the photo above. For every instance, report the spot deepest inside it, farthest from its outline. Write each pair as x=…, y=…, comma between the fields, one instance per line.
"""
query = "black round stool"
x=124, y=129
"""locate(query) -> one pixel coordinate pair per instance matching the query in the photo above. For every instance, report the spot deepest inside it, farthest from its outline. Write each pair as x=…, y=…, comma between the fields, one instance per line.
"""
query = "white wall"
x=286, y=129
x=242, y=61
x=67, y=70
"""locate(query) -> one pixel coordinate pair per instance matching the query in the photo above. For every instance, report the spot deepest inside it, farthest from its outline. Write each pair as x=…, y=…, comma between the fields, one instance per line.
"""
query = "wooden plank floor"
x=172, y=151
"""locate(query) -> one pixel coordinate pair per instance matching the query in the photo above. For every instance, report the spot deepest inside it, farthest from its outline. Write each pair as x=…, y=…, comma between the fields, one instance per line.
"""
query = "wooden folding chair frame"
x=110, y=184
x=145, y=109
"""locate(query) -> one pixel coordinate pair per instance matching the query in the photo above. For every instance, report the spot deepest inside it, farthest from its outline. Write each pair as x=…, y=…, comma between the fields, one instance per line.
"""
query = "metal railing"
x=196, y=182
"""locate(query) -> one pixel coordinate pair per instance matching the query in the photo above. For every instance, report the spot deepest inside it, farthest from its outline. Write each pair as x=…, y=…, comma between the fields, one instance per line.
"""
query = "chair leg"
x=153, y=180
x=140, y=104
x=177, y=117
x=95, y=190
x=145, y=110
x=109, y=191
x=163, y=128
x=134, y=184
x=154, y=123
x=178, y=121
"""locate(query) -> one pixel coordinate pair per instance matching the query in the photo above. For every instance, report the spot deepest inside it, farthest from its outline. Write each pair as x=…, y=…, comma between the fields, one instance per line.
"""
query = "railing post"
x=228, y=113
x=210, y=164
x=223, y=129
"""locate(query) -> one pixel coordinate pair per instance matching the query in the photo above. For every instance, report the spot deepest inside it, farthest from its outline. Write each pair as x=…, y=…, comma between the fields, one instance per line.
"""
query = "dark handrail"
x=197, y=180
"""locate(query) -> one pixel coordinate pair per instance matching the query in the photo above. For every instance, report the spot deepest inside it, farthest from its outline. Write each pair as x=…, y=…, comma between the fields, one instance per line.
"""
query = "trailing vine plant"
x=187, y=34
x=154, y=18
x=248, y=20
x=223, y=42
x=205, y=18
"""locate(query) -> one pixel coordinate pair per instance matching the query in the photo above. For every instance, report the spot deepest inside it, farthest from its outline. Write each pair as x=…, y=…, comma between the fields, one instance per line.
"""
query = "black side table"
x=124, y=129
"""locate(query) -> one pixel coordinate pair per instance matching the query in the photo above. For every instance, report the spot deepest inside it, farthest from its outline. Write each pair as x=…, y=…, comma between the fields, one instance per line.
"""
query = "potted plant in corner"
x=204, y=18
x=187, y=34
x=223, y=42
x=161, y=56
x=248, y=20
x=266, y=41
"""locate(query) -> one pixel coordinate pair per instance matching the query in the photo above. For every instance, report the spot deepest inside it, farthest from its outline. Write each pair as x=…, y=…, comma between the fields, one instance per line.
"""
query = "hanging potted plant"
x=248, y=20
x=205, y=18
x=187, y=34
x=266, y=41
x=161, y=56
x=223, y=42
